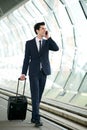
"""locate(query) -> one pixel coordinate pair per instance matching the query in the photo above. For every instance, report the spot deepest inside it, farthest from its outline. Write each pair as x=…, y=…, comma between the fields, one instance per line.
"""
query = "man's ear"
x=37, y=31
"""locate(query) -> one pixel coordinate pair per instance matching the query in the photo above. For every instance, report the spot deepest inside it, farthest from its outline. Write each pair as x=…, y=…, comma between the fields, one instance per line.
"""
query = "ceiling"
x=7, y=5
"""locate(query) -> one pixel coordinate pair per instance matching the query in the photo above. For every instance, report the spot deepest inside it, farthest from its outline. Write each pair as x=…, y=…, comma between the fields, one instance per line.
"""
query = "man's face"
x=41, y=31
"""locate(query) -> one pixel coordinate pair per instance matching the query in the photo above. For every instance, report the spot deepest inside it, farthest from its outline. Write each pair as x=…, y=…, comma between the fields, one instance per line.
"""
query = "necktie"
x=39, y=45
x=39, y=53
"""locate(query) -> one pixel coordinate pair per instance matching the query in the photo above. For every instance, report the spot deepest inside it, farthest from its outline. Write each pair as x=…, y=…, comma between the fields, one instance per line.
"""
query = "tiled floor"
x=22, y=125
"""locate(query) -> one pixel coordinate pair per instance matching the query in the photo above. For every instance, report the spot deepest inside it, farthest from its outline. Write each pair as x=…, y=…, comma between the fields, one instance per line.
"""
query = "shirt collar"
x=37, y=39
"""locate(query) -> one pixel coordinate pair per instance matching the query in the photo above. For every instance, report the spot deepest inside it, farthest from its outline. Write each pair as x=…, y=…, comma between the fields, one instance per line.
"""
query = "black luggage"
x=17, y=106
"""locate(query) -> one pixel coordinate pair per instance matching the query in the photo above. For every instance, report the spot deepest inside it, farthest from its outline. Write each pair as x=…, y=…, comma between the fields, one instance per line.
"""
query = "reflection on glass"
x=83, y=87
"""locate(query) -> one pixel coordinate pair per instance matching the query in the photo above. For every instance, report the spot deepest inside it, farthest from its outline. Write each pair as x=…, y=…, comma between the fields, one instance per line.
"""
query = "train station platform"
x=23, y=125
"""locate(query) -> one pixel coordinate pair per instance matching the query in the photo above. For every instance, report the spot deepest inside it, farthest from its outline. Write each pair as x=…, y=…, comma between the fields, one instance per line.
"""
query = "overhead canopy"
x=7, y=5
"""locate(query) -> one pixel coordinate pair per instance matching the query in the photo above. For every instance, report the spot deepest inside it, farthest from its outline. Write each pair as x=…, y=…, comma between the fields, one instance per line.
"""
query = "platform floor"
x=23, y=125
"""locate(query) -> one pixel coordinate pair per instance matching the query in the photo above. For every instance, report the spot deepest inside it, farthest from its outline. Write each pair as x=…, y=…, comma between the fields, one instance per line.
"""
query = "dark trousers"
x=37, y=84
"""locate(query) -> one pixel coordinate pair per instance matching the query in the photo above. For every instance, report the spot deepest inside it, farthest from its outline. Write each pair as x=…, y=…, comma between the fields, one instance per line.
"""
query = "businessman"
x=36, y=60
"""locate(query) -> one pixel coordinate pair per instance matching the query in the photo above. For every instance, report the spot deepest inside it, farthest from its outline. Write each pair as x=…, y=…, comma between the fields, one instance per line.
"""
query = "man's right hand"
x=22, y=77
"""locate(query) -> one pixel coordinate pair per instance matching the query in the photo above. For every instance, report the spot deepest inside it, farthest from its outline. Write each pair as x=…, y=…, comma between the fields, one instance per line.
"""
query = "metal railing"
x=68, y=116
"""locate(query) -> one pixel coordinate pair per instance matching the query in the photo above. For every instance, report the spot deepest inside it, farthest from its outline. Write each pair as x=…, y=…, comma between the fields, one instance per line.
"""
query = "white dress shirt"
x=37, y=42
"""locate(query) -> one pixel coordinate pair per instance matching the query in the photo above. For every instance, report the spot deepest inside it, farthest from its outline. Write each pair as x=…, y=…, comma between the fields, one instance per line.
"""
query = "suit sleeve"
x=52, y=45
x=26, y=59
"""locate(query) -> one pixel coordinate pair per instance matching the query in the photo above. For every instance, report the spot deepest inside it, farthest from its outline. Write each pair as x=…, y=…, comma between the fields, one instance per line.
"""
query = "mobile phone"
x=46, y=32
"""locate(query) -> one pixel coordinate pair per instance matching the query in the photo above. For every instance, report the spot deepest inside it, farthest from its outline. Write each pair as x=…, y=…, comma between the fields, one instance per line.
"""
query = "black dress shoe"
x=37, y=124
x=32, y=120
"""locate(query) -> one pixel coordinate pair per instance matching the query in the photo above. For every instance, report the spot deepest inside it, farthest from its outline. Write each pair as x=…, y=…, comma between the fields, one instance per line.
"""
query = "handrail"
x=57, y=112
x=82, y=111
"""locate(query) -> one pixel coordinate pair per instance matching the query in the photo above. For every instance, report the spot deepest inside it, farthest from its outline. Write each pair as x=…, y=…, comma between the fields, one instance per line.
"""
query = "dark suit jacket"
x=33, y=58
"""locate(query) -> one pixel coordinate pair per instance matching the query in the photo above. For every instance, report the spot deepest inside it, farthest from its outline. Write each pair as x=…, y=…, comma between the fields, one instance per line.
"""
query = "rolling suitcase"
x=17, y=105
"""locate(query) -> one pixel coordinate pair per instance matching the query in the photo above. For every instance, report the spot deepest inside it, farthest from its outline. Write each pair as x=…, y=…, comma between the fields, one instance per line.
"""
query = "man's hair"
x=37, y=26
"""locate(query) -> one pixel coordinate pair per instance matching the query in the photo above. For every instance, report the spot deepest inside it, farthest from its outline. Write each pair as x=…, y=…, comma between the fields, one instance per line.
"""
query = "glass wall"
x=67, y=24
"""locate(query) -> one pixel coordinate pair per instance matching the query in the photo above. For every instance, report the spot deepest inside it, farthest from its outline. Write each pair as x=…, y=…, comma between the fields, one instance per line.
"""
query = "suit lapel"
x=43, y=45
x=35, y=45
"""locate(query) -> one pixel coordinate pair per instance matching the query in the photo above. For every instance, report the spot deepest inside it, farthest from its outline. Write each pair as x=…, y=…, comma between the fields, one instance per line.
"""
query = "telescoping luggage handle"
x=18, y=86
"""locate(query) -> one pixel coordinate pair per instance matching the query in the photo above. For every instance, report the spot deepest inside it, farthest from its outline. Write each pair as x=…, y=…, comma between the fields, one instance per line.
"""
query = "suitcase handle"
x=18, y=86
